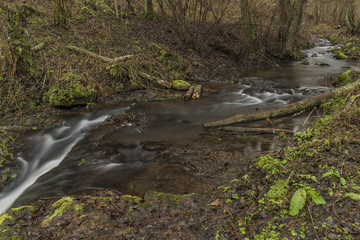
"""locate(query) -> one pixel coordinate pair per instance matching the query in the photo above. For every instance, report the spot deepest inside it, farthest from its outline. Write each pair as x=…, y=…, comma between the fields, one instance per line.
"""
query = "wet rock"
x=305, y=62
x=314, y=55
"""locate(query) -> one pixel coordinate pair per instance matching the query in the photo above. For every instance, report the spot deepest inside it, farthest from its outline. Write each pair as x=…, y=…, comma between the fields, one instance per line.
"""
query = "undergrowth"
x=308, y=190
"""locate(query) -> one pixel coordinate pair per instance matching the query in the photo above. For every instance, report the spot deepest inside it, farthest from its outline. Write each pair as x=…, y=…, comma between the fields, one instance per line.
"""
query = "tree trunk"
x=256, y=130
x=149, y=9
x=285, y=110
x=293, y=23
x=246, y=19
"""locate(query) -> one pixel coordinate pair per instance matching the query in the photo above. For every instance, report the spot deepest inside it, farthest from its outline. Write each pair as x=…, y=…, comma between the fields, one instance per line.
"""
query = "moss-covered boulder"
x=70, y=91
x=180, y=85
x=346, y=78
x=340, y=55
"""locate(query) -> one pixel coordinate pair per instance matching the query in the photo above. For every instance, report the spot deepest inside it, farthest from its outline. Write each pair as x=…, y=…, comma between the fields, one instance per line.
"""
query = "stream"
x=89, y=153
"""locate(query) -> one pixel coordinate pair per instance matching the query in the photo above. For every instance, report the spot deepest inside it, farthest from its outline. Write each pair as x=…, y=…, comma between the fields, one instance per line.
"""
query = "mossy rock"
x=340, y=55
x=346, y=78
x=305, y=62
x=70, y=91
x=180, y=85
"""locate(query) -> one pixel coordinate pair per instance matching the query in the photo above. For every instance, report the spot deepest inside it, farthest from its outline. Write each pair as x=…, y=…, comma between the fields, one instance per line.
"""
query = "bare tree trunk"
x=246, y=19
x=294, y=24
x=149, y=9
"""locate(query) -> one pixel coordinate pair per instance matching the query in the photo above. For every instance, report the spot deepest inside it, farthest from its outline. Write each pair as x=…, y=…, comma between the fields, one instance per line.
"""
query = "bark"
x=293, y=23
x=149, y=9
x=285, y=110
x=197, y=92
x=189, y=93
x=97, y=56
x=256, y=130
x=159, y=82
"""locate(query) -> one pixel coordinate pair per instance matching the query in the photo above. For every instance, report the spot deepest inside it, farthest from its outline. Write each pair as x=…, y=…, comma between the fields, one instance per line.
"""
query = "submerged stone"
x=180, y=85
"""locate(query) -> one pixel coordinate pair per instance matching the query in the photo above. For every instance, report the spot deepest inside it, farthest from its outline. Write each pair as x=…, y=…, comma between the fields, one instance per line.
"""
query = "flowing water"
x=84, y=155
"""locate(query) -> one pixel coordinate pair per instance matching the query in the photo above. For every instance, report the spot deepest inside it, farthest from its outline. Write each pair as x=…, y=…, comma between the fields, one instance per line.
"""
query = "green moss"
x=104, y=199
x=131, y=199
x=61, y=205
x=346, y=78
x=70, y=91
x=180, y=85
x=340, y=55
x=24, y=208
x=4, y=217
x=166, y=197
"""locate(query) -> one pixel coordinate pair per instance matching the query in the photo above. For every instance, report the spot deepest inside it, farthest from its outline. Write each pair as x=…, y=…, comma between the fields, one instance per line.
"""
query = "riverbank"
x=309, y=189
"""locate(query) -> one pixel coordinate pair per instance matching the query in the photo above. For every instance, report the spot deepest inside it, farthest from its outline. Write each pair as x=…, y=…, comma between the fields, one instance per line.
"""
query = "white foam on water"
x=42, y=163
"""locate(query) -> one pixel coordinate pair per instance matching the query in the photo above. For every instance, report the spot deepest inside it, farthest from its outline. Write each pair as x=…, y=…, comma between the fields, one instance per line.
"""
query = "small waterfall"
x=50, y=149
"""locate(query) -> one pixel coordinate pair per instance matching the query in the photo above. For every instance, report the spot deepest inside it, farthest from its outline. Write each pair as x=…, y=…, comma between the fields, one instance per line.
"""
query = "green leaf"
x=343, y=181
x=297, y=201
x=353, y=196
x=279, y=189
x=315, y=196
x=330, y=173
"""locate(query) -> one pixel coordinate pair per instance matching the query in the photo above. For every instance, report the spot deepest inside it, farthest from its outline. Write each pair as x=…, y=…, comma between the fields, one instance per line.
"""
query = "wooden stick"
x=197, y=92
x=159, y=82
x=256, y=130
x=189, y=93
x=38, y=47
x=94, y=55
x=285, y=110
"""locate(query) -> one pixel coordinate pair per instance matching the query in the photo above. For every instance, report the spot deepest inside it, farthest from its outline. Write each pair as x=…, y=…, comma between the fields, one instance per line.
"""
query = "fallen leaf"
x=215, y=203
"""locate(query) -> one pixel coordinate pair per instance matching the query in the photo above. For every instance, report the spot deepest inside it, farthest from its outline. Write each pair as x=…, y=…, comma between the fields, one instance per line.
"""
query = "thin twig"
x=309, y=116
x=317, y=236
x=337, y=200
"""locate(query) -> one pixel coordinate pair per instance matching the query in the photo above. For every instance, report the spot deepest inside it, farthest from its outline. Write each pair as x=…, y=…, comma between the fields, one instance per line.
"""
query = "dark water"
x=82, y=155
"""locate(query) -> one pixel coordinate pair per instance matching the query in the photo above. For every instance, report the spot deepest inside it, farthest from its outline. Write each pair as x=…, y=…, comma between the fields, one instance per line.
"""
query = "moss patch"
x=346, y=78
x=61, y=205
x=132, y=199
x=340, y=55
x=70, y=91
x=180, y=85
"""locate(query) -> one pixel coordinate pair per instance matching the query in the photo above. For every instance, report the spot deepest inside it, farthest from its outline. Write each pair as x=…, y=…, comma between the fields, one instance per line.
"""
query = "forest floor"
x=308, y=189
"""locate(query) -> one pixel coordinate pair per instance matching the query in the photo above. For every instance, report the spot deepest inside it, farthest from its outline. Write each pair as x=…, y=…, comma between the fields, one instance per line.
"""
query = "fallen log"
x=285, y=110
x=197, y=92
x=256, y=130
x=189, y=93
x=97, y=56
x=155, y=80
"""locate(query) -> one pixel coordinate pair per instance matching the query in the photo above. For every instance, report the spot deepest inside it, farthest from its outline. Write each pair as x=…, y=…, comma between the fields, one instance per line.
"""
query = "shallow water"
x=82, y=156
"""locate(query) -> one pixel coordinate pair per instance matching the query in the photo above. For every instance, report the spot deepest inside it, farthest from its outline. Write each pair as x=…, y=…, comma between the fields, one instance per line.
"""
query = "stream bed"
x=162, y=146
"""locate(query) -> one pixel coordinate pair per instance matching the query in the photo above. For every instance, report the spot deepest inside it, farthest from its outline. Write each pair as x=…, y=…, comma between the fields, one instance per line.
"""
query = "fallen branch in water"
x=256, y=130
x=97, y=56
x=285, y=110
